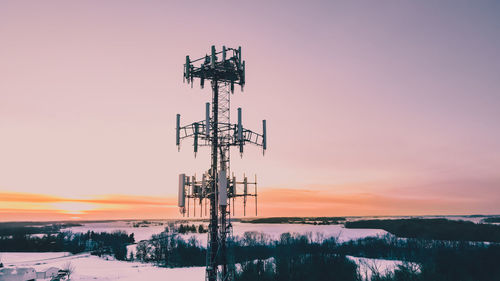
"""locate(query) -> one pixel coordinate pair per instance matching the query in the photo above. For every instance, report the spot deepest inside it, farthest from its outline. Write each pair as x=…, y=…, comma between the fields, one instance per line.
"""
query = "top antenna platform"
x=224, y=66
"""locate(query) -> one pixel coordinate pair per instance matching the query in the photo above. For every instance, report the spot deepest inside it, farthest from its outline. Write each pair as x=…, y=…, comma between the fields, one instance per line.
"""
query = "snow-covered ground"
x=20, y=258
x=334, y=230
x=366, y=266
x=273, y=230
x=87, y=267
x=140, y=233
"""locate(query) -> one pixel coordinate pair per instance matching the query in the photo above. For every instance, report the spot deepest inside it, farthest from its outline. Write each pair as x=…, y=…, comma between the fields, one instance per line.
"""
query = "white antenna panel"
x=182, y=193
x=222, y=188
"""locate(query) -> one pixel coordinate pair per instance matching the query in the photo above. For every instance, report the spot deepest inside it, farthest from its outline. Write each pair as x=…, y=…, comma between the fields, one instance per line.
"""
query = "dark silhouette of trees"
x=437, y=229
x=186, y=228
x=98, y=243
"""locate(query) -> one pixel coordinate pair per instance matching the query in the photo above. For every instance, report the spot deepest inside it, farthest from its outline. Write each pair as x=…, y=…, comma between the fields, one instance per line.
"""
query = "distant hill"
x=297, y=220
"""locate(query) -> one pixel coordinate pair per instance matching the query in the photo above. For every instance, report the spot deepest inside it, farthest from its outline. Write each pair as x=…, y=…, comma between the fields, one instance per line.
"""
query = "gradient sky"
x=373, y=107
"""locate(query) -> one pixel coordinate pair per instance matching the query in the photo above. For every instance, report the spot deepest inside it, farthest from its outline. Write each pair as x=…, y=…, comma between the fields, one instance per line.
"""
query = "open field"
x=369, y=248
x=88, y=267
x=274, y=230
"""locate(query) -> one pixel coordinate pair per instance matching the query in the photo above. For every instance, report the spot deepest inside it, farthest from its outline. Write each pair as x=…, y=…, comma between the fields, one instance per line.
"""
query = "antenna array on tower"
x=217, y=187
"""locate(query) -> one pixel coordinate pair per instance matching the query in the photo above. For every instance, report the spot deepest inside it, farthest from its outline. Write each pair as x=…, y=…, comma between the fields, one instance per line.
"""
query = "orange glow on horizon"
x=25, y=206
x=74, y=208
x=272, y=202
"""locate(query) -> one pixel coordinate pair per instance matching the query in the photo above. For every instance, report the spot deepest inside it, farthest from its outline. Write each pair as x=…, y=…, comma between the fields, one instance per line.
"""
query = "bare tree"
x=69, y=268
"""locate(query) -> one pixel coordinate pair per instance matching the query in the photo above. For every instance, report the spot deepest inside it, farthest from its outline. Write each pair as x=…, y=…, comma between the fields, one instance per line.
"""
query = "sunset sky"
x=373, y=107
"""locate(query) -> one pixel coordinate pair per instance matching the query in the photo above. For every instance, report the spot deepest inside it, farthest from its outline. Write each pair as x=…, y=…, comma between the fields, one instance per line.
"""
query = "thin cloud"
x=108, y=199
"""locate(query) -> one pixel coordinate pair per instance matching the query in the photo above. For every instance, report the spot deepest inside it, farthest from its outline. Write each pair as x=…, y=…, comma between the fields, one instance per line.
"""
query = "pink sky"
x=383, y=99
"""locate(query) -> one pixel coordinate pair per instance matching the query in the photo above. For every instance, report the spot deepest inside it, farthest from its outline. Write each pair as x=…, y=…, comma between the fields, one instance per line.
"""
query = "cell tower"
x=223, y=69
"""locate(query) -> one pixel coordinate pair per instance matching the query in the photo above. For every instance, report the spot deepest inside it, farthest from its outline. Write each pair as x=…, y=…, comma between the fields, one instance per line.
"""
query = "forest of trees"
x=299, y=257
x=186, y=228
x=97, y=243
x=11, y=228
x=440, y=229
x=171, y=250
x=435, y=260
x=492, y=220
x=312, y=257
x=297, y=220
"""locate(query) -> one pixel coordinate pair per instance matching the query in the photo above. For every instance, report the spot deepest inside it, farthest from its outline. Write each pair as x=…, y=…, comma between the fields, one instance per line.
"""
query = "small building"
x=17, y=274
x=50, y=272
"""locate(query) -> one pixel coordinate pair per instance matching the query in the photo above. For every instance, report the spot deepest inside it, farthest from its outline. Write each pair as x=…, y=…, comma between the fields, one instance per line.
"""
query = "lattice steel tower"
x=223, y=69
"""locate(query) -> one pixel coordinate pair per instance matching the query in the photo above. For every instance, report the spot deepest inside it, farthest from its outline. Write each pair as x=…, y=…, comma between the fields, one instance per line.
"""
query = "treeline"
x=105, y=243
x=313, y=257
x=97, y=243
x=412, y=249
x=143, y=223
x=170, y=250
x=313, y=267
x=297, y=220
x=439, y=229
x=186, y=228
x=12, y=228
x=292, y=257
x=492, y=220
x=299, y=258
x=438, y=260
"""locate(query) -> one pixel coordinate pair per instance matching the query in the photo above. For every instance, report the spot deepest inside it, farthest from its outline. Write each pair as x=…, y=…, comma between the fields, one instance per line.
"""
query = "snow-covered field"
x=273, y=230
x=140, y=233
x=87, y=267
x=366, y=266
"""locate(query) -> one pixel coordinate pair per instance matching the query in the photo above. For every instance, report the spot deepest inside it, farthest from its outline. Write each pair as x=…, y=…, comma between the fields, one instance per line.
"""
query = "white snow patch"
x=88, y=267
x=273, y=230
x=367, y=266
x=140, y=233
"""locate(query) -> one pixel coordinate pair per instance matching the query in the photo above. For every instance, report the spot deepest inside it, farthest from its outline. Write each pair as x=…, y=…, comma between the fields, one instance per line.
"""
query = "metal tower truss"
x=217, y=187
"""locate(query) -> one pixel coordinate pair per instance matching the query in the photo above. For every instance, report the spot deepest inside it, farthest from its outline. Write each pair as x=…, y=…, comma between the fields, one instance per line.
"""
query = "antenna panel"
x=213, y=57
x=264, y=136
x=182, y=193
x=222, y=188
x=207, y=119
x=178, y=130
x=195, y=138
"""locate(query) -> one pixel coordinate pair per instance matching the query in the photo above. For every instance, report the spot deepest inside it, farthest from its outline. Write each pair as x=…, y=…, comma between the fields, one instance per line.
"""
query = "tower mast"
x=211, y=274
x=224, y=69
